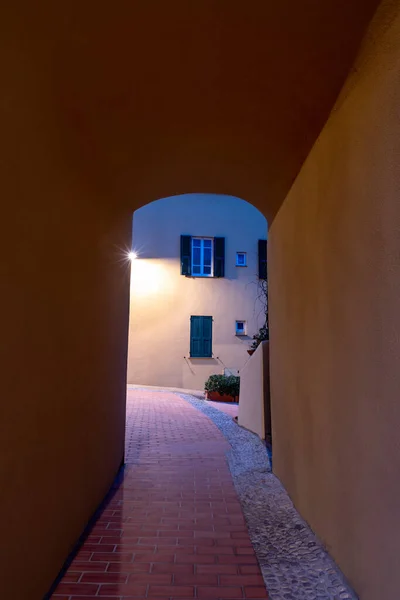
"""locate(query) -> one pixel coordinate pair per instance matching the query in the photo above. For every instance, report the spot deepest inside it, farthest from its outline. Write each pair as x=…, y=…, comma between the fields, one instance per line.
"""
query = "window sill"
x=199, y=357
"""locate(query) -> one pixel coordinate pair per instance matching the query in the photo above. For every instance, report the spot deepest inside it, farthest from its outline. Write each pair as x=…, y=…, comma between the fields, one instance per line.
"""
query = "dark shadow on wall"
x=87, y=531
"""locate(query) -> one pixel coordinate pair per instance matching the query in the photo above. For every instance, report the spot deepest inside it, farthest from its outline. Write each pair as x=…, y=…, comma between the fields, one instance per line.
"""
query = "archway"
x=170, y=284
x=96, y=123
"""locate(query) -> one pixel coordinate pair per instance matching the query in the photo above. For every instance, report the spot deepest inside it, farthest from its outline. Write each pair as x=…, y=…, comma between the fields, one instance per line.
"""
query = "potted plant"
x=261, y=336
x=222, y=388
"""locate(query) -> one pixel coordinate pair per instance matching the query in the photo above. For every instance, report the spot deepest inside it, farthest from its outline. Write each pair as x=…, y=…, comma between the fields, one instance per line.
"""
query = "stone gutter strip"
x=293, y=561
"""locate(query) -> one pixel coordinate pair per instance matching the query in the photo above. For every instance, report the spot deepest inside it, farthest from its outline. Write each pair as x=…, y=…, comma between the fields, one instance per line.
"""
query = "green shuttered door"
x=200, y=337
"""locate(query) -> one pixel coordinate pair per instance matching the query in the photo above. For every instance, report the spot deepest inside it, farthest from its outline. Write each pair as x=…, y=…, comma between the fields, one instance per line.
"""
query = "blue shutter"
x=196, y=336
x=207, y=336
x=219, y=257
x=186, y=255
x=200, y=337
x=262, y=259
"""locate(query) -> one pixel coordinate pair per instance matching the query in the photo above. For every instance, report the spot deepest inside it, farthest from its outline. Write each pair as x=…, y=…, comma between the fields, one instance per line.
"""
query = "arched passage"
x=91, y=131
x=165, y=295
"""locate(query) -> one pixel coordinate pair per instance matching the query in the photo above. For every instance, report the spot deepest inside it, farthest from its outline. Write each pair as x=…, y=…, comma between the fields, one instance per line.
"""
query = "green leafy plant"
x=223, y=384
x=261, y=336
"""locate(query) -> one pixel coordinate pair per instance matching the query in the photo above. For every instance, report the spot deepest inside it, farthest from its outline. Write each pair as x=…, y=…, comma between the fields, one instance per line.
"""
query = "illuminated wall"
x=162, y=300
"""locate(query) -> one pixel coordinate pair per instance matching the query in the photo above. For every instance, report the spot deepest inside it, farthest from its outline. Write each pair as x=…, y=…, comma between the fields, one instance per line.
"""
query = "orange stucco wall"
x=334, y=269
x=64, y=322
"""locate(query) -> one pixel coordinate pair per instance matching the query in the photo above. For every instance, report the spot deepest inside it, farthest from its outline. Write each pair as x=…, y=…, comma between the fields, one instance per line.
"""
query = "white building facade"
x=194, y=303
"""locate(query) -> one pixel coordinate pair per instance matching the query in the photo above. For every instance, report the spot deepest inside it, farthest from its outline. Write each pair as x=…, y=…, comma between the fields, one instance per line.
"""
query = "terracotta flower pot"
x=216, y=397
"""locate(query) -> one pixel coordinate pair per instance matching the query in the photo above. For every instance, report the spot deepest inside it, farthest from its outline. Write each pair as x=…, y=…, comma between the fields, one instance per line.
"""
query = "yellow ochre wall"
x=334, y=265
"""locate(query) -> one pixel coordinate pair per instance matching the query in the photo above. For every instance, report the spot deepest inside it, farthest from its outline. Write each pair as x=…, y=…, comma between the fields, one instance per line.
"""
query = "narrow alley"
x=174, y=527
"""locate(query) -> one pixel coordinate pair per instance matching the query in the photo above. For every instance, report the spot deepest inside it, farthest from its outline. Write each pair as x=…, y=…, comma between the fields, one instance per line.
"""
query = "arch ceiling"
x=162, y=97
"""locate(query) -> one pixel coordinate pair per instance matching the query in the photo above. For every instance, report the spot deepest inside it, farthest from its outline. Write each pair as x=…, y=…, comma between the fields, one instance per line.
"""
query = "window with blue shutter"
x=202, y=257
x=200, y=337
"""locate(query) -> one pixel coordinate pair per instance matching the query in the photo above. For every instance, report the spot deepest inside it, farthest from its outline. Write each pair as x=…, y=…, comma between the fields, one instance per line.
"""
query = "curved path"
x=174, y=528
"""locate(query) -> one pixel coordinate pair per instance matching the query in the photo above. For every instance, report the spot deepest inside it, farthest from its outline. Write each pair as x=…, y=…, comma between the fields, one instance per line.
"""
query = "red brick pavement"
x=174, y=528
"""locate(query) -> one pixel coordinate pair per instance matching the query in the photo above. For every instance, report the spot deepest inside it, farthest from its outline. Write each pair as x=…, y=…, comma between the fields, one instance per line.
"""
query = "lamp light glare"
x=132, y=255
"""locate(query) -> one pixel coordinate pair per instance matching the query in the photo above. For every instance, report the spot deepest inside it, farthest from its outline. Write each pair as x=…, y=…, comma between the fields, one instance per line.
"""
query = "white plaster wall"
x=251, y=399
x=162, y=300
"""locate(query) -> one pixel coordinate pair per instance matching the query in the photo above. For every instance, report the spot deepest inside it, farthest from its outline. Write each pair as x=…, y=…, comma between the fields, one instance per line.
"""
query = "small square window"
x=240, y=327
x=241, y=259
